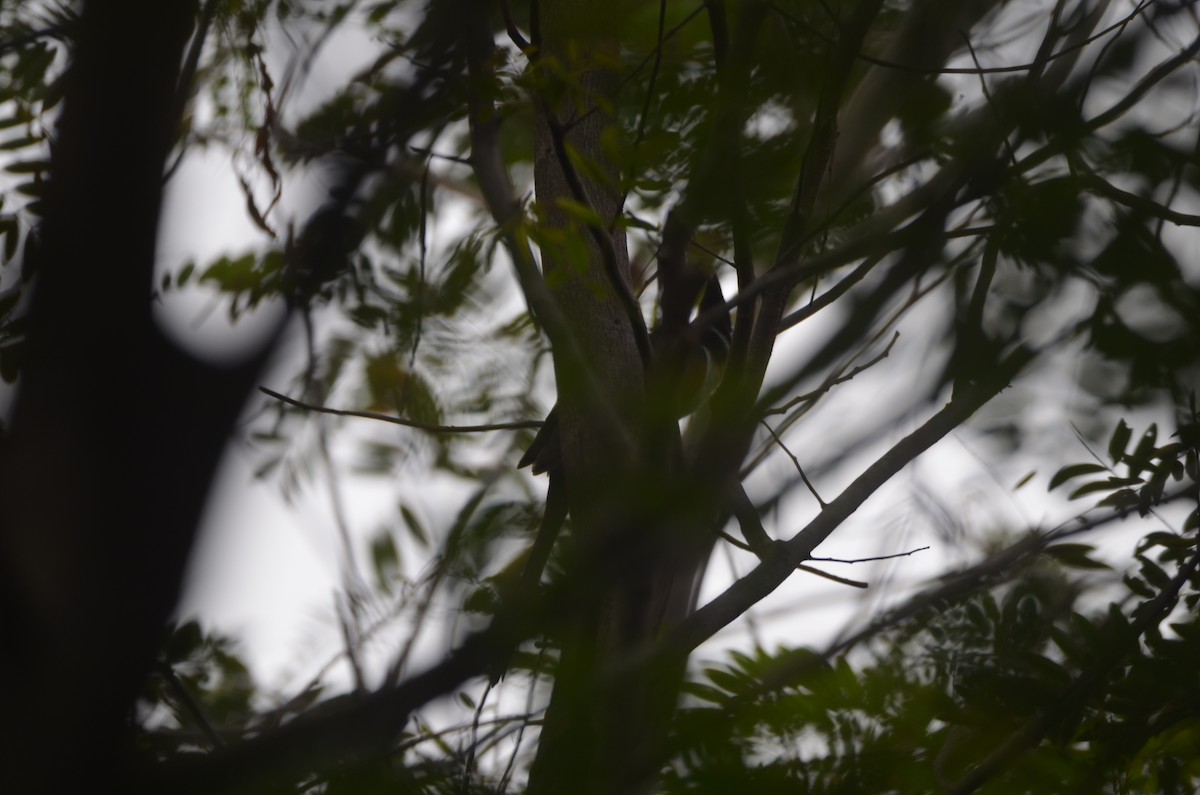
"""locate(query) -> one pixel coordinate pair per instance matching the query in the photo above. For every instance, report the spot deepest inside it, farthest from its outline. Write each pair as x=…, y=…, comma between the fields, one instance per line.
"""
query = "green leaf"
x=1071, y=472
x=1154, y=575
x=1120, y=438
x=186, y=274
x=1121, y=499
x=1075, y=556
x=1102, y=485
x=414, y=526
x=28, y=167
x=629, y=220
x=1140, y=460
x=13, y=144
x=581, y=213
x=1161, y=538
x=385, y=560
x=1138, y=586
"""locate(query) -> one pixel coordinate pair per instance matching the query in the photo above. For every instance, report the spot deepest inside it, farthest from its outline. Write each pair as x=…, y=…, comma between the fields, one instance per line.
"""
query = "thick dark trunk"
x=115, y=433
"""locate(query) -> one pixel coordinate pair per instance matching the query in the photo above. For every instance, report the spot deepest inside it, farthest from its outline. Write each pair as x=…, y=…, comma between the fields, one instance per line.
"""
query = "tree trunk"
x=600, y=732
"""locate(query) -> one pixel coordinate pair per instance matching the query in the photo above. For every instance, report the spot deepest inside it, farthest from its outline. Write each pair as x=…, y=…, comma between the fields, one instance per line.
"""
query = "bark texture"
x=600, y=730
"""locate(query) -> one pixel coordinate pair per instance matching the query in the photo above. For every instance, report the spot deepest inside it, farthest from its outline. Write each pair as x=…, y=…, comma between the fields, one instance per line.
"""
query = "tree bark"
x=599, y=732
x=115, y=432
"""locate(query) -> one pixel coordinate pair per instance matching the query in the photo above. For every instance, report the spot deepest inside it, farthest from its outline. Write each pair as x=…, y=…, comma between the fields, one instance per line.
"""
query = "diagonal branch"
x=949, y=589
x=774, y=570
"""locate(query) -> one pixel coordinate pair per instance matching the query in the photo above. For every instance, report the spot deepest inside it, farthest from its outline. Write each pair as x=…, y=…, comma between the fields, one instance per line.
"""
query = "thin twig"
x=795, y=461
x=1103, y=187
x=946, y=70
x=640, y=135
x=529, y=696
x=634, y=72
x=877, y=557
x=419, y=298
x=834, y=577
x=427, y=152
x=510, y=26
x=421, y=426
x=837, y=378
x=189, y=702
x=1118, y=109
x=346, y=604
x=987, y=97
x=830, y=295
x=742, y=545
x=473, y=741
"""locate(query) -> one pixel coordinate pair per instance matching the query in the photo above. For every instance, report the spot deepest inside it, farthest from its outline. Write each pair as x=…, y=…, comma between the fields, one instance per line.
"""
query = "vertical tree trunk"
x=599, y=732
x=115, y=432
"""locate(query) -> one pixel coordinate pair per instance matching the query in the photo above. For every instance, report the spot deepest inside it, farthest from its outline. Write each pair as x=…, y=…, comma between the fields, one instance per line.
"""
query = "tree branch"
x=892, y=556
x=950, y=588
x=421, y=426
x=795, y=462
x=774, y=570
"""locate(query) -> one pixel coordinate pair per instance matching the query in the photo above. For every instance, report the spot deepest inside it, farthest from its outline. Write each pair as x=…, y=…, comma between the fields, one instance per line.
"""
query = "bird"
x=695, y=361
x=702, y=361
x=698, y=376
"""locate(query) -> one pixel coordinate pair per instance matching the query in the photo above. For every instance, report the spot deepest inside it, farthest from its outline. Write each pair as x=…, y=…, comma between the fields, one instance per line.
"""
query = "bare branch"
x=761, y=552
x=510, y=25
x=747, y=516
x=1137, y=203
x=838, y=377
x=832, y=294
x=421, y=426
x=835, y=578
x=795, y=461
x=877, y=557
x=775, y=569
x=1119, y=108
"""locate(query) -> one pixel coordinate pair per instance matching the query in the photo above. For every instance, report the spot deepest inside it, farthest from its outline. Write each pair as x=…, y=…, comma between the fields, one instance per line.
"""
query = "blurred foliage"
x=33, y=49
x=1061, y=672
